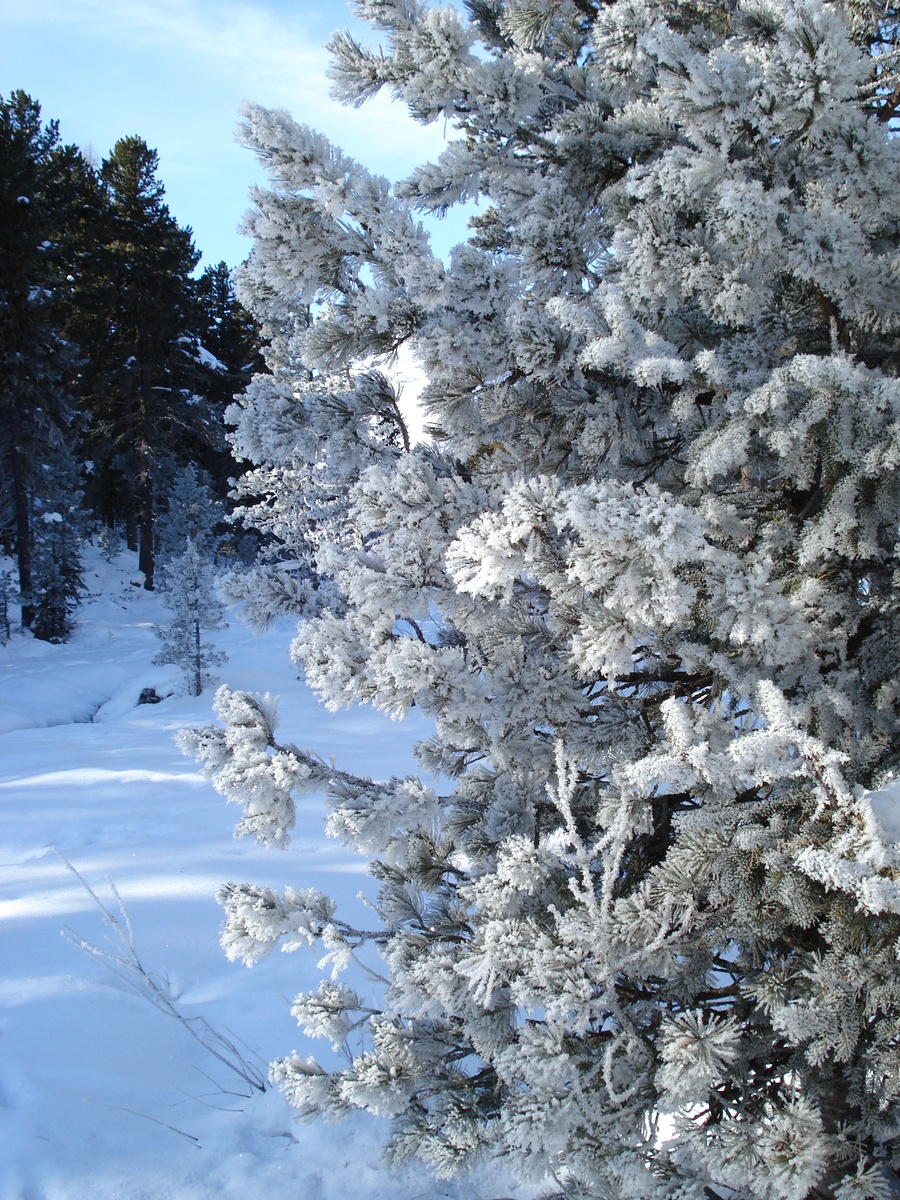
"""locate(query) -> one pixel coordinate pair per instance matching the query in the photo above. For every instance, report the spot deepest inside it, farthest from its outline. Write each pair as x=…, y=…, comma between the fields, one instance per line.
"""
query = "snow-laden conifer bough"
x=642, y=939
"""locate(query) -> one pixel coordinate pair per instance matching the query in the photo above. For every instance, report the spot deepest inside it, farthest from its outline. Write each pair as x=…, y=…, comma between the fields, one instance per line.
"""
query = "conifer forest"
x=628, y=836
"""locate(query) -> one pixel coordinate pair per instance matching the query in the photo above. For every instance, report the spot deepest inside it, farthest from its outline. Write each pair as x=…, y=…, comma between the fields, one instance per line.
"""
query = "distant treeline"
x=116, y=362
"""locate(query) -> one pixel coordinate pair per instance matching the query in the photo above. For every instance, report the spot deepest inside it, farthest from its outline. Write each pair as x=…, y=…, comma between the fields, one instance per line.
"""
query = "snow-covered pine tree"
x=308, y=430
x=187, y=583
x=645, y=586
x=192, y=513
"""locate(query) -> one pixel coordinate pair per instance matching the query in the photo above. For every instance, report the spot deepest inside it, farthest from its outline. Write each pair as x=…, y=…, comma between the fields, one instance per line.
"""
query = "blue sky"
x=175, y=73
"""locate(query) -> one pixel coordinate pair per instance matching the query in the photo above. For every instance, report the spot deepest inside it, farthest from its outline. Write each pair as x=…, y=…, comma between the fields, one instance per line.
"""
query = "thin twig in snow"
x=123, y=962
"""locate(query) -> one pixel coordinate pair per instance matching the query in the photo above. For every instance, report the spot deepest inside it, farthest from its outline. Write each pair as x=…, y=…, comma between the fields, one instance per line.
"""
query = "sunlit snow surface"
x=101, y=1095
x=886, y=807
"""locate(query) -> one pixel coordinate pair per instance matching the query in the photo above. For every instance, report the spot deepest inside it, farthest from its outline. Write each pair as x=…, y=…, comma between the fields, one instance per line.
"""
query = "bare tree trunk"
x=145, y=482
x=23, y=535
x=22, y=507
x=146, y=524
x=131, y=529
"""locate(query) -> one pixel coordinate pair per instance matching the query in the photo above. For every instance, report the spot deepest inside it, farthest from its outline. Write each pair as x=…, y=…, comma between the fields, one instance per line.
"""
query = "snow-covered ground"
x=102, y=1094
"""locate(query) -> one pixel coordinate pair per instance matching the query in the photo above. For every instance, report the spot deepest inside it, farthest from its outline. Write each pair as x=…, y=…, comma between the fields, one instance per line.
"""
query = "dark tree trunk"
x=23, y=512
x=131, y=481
x=23, y=536
x=145, y=556
x=145, y=477
x=131, y=529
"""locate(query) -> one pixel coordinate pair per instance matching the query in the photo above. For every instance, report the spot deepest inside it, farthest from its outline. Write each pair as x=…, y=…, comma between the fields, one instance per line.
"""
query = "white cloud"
x=176, y=71
x=239, y=50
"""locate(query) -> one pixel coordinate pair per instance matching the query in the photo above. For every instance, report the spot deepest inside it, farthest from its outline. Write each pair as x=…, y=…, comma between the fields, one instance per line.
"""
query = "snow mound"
x=886, y=807
x=146, y=687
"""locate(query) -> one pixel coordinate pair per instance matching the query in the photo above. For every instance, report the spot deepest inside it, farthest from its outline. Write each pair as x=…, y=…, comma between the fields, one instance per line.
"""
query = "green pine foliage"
x=41, y=192
x=137, y=323
x=229, y=355
x=116, y=363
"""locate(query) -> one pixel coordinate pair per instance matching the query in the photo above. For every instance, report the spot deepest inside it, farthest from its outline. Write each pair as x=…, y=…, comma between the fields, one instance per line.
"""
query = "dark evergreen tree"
x=135, y=313
x=230, y=356
x=40, y=191
x=97, y=302
x=228, y=331
x=9, y=594
x=57, y=564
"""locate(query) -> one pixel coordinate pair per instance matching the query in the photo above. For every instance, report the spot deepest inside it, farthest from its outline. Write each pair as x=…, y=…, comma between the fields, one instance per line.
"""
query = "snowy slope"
x=101, y=1094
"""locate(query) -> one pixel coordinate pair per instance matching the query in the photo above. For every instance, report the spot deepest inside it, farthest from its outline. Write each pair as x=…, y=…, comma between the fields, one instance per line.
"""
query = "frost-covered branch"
x=643, y=585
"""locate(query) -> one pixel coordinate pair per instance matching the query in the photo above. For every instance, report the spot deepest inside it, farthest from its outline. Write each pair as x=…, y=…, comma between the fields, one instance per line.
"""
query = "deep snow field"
x=101, y=1093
